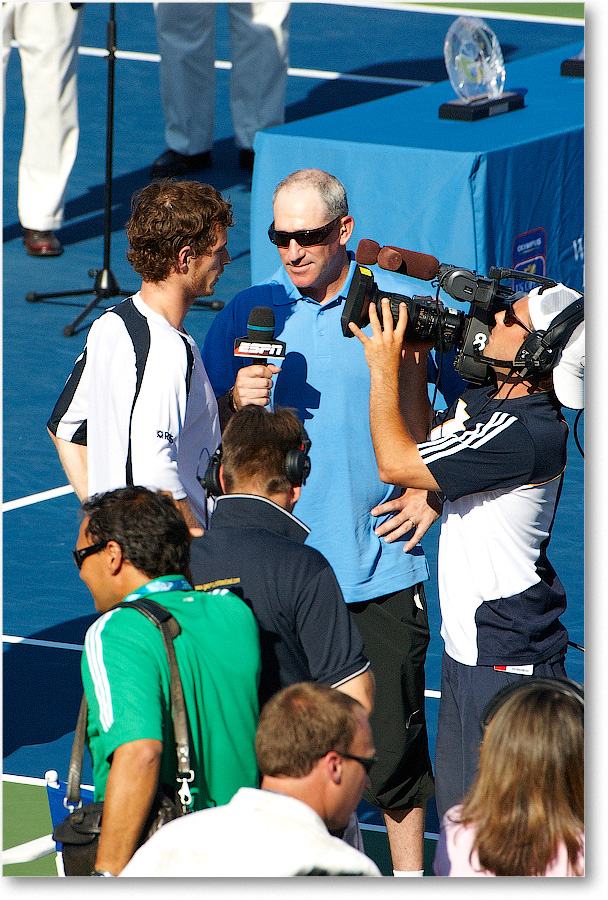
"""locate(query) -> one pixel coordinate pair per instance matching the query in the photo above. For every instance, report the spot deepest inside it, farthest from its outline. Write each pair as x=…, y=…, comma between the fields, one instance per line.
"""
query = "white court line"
x=37, y=498
x=319, y=74
x=37, y=782
x=34, y=642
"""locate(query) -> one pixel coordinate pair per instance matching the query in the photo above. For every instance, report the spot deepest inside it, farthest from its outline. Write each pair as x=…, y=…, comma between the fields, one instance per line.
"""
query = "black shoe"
x=172, y=164
x=41, y=243
x=246, y=158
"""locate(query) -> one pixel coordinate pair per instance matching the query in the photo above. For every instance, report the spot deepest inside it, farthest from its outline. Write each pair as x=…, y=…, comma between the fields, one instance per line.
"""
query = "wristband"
x=104, y=874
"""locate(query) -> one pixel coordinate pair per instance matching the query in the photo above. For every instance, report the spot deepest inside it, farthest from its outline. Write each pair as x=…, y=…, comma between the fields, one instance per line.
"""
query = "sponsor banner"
x=529, y=255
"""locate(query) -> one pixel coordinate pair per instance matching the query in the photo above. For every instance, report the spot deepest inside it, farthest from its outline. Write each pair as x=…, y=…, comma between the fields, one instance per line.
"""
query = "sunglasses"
x=81, y=555
x=302, y=238
x=366, y=761
x=511, y=319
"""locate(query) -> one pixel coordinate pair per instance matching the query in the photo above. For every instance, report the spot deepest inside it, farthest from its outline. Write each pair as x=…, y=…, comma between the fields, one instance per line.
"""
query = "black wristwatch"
x=102, y=873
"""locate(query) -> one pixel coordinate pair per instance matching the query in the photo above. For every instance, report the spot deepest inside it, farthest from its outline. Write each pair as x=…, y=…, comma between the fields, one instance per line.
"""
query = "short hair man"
x=498, y=454
x=345, y=504
x=134, y=543
x=138, y=407
x=255, y=548
x=314, y=747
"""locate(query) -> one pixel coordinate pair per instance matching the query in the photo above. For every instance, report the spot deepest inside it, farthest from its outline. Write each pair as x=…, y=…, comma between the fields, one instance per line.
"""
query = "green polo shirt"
x=125, y=673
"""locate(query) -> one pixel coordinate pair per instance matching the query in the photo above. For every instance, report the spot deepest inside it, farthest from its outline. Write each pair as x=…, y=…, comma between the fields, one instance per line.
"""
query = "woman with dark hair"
x=524, y=813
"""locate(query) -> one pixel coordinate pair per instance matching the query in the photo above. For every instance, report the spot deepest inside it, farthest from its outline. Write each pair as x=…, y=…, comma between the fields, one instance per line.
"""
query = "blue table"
x=504, y=191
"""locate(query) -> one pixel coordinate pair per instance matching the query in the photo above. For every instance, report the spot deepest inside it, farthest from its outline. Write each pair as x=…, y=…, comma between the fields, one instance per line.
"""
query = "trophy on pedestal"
x=475, y=66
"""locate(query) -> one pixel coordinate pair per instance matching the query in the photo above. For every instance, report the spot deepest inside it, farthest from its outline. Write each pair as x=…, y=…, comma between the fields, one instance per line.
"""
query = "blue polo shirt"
x=325, y=379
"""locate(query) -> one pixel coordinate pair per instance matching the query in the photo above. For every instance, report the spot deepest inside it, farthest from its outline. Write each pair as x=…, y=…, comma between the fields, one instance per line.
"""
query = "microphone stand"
x=106, y=285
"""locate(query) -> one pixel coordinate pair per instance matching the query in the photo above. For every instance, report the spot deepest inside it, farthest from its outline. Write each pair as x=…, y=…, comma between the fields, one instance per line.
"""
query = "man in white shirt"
x=314, y=748
x=138, y=407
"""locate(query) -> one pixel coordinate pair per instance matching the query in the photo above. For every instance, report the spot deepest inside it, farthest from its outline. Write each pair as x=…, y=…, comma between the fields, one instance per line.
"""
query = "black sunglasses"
x=303, y=238
x=81, y=555
x=511, y=319
x=366, y=761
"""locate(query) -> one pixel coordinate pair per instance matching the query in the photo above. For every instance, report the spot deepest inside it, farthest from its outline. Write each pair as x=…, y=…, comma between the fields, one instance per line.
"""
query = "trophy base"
x=482, y=108
x=573, y=66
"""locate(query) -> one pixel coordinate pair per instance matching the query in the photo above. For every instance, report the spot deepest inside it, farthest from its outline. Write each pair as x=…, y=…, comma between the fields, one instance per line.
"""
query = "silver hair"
x=330, y=189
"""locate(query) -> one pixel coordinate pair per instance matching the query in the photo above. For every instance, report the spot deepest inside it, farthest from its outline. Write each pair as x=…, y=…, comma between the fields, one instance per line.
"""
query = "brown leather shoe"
x=41, y=243
x=172, y=164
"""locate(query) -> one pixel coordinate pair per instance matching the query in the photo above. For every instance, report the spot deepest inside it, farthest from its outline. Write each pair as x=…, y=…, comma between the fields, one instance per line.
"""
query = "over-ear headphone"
x=297, y=467
x=540, y=351
x=562, y=685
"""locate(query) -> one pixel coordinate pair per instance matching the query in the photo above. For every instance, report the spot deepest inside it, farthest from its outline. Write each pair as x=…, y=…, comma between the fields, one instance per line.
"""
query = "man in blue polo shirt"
x=347, y=508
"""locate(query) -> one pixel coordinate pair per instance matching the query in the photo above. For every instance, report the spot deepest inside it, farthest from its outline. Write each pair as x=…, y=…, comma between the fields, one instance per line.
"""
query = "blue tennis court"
x=340, y=56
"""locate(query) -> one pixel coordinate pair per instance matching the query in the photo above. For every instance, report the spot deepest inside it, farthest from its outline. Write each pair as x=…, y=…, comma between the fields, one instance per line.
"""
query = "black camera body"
x=429, y=321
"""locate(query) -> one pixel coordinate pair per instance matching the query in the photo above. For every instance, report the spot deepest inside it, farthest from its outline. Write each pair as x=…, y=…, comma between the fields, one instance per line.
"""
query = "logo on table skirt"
x=529, y=255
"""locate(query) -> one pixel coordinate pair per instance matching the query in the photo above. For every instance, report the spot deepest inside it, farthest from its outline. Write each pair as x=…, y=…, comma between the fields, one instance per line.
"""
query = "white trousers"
x=259, y=39
x=48, y=35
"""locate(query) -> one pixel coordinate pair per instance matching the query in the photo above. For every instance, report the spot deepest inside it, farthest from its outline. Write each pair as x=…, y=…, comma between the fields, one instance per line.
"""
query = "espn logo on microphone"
x=259, y=349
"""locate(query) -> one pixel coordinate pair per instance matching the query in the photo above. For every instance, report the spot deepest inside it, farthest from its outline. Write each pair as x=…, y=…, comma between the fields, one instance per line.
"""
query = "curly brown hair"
x=169, y=215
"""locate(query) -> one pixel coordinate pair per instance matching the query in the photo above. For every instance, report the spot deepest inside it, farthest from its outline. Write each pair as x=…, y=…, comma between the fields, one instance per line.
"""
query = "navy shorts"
x=465, y=693
x=395, y=631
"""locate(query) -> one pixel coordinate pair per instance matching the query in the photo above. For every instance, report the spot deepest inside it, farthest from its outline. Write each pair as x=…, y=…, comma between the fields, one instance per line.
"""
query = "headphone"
x=540, y=351
x=562, y=685
x=297, y=467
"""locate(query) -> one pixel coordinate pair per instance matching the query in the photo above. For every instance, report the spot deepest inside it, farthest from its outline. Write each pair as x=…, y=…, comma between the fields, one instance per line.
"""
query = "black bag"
x=79, y=832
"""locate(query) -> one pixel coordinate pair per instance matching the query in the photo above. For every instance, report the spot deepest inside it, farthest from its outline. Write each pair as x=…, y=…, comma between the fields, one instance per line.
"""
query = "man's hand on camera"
x=383, y=350
x=254, y=385
x=412, y=511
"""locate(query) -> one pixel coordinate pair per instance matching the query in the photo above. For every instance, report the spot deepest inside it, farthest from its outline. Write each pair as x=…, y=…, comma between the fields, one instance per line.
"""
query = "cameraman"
x=498, y=454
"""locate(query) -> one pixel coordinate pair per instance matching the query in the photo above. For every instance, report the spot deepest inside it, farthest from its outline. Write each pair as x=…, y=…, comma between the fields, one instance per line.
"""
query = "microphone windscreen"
x=391, y=259
x=367, y=252
x=260, y=326
x=416, y=265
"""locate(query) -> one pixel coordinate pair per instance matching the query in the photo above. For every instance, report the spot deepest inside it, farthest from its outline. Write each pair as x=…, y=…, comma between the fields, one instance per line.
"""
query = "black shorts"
x=395, y=631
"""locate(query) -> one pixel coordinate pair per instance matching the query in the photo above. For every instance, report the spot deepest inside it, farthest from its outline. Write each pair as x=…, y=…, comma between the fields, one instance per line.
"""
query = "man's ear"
x=333, y=766
x=222, y=480
x=346, y=229
x=114, y=557
x=183, y=257
x=294, y=495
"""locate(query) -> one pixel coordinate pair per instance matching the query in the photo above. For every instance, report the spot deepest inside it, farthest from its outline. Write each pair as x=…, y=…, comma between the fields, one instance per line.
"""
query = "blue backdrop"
x=504, y=191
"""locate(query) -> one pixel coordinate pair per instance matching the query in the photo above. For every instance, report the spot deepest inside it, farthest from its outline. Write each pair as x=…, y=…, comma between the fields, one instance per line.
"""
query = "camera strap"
x=169, y=628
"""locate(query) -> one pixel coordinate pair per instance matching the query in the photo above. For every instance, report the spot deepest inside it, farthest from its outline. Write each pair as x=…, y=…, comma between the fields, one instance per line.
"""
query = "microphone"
x=259, y=344
x=260, y=324
x=408, y=262
x=367, y=252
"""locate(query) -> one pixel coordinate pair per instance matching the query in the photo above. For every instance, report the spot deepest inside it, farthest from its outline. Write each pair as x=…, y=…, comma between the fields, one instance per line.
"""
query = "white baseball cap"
x=569, y=372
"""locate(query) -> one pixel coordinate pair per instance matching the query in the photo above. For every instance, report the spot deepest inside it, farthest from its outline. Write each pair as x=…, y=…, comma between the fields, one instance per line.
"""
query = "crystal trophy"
x=475, y=66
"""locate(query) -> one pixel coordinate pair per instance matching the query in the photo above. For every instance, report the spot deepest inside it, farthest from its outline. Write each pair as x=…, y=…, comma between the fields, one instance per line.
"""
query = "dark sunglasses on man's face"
x=302, y=238
x=511, y=319
x=81, y=555
x=366, y=761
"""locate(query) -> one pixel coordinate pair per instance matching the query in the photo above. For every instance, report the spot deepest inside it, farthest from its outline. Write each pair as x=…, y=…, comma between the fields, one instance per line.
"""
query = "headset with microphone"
x=297, y=467
x=540, y=351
